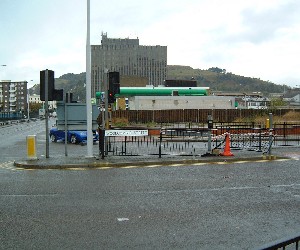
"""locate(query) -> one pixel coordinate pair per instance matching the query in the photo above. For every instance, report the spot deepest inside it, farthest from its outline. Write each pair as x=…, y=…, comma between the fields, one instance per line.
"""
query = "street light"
x=28, y=102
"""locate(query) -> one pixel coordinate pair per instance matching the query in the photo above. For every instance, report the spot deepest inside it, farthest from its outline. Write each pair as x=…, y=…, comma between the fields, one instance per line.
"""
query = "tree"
x=277, y=102
x=217, y=70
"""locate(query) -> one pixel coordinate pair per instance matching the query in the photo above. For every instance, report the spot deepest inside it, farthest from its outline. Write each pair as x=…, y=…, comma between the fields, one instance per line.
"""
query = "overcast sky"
x=254, y=38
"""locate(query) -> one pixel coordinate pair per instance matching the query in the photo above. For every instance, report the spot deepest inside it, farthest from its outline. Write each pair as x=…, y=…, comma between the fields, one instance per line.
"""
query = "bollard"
x=31, y=147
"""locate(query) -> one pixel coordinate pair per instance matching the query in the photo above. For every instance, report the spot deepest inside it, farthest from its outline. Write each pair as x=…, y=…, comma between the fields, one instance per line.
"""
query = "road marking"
x=239, y=162
x=262, y=160
x=26, y=195
x=130, y=167
x=200, y=164
x=221, y=162
x=10, y=165
x=153, y=166
x=78, y=169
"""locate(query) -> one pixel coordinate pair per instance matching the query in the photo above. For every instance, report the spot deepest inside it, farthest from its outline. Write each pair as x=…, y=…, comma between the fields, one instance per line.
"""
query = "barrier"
x=227, y=151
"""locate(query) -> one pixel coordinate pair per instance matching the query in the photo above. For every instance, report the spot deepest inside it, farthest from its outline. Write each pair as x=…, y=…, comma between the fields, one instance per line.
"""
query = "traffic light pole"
x=106, y=121
x=106, y=84
x=46, y=113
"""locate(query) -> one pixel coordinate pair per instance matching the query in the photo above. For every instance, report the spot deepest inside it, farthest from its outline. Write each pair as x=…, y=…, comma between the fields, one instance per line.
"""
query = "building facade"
x=13, y=96
x=34, y=99
x=129, y=58
x=180, y=102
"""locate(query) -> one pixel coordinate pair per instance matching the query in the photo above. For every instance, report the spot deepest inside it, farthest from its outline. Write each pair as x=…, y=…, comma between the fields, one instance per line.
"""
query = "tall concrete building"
x=129, y=58
x=13, y=96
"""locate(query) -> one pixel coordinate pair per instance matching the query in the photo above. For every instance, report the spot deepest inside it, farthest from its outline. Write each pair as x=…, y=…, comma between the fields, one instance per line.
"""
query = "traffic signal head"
x=53, y=94
x=114, y=82
x=50, y=79
x=111, y=97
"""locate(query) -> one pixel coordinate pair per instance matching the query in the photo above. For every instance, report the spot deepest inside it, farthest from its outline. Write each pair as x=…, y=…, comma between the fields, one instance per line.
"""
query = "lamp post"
x=88, y=87
x=28, y=97
x=298, y=95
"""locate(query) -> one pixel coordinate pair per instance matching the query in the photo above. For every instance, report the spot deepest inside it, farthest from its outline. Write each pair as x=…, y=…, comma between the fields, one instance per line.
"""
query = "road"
x=221, y=206
x=13, y=142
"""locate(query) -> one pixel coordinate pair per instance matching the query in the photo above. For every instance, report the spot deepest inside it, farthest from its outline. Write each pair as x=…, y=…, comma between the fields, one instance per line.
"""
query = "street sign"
x=126, y=132
x=76, y=117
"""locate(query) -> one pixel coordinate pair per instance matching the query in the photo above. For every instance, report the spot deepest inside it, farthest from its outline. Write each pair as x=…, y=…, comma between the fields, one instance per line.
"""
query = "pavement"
x=114, y=161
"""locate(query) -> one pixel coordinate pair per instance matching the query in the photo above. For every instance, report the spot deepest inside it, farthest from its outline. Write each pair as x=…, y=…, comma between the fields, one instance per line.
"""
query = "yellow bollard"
x=267, y=123
x=31, y=147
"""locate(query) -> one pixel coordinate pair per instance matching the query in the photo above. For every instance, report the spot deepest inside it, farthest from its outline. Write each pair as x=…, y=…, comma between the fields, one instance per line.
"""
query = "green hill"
x=219, y=80
x=215, y=78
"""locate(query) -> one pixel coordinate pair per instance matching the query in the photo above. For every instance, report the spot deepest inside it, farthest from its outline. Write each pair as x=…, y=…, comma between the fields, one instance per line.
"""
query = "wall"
x=193, y=115
x=180, y=102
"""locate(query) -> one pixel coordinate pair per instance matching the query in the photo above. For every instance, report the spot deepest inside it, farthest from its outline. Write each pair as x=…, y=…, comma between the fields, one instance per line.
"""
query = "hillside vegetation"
x=215, y=78
x=220, y=80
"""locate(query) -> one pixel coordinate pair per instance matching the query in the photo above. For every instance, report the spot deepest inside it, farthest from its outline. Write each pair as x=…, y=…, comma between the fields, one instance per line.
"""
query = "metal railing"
x=291, y=242
x=193, y=141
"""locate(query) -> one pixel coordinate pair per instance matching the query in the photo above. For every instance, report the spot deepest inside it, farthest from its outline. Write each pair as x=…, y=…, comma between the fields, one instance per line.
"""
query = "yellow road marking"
x=9, y=165
x=130, y=167
x=153, y=166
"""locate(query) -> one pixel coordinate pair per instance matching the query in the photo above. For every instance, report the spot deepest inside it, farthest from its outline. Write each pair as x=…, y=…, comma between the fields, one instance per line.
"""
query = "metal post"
x=270, y=132
x=125, y=145
x=88, y=87
x=210, y=127
x=28, y=104
x=101, y=142
x=106, y=122
x=160, y=141
x=46, y=113
x=66, y=126
x=106, y=72
x=259, y=143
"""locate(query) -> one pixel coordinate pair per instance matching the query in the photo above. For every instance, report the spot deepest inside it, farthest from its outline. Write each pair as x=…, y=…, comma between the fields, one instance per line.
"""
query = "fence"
x=192, y=115
x=193, y=141
x=291, y=242
x=10, y=115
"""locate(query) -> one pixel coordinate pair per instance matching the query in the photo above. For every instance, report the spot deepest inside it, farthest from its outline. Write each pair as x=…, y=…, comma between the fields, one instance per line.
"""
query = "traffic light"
x=114, y=77
x=50, y=85
x=113, y=85
x=116, y=88
x=58, y=94
x=111, y=97
x=53, y=94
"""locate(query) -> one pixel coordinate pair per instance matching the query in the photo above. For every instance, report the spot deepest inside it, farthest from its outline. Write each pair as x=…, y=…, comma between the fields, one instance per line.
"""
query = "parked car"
x=73, y=136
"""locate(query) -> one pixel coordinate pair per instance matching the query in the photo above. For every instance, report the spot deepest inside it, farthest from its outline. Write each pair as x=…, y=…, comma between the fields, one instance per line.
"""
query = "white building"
x=180, y=102
x=36, y=99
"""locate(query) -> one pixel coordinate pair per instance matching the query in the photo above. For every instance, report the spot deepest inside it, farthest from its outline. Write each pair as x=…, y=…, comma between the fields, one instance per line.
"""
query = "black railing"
x=193, y=141
x=292, y=242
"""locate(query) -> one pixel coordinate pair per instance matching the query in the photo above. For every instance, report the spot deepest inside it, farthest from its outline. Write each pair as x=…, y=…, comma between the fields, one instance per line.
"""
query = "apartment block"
x=129, y=58
x=13, y=96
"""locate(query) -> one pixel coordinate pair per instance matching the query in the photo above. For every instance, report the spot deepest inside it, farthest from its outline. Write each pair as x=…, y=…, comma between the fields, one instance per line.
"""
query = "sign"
x=75, y=116
x=126, y=132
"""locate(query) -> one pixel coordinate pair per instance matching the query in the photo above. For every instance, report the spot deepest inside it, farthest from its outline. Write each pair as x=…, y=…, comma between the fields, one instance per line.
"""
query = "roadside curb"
x=96, y=163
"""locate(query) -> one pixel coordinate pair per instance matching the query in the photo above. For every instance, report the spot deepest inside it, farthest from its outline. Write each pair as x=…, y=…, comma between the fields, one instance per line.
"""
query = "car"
x=73, y=136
